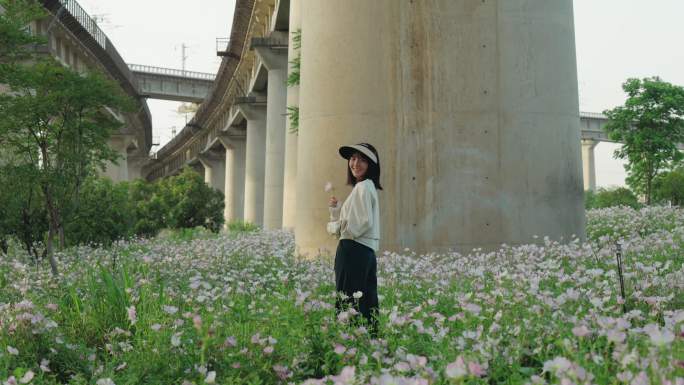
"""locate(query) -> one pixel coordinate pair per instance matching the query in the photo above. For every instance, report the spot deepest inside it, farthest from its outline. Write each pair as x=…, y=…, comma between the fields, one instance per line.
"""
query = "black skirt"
x=356, y=270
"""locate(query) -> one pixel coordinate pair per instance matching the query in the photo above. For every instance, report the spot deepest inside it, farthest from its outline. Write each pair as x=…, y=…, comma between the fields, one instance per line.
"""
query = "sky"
x=615, y=40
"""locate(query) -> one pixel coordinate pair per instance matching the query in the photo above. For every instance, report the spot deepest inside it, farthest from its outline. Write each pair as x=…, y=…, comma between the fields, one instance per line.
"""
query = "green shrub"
x=100, y=215
x=603, y=198
x=242, y=227
x=147, y=207
x=669, y=187
x=190, y=202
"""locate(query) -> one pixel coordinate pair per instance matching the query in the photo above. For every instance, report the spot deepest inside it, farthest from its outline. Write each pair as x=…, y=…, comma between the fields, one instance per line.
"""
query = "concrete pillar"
x=214, y=171
x=290, y=172
x=255, y=148
x=118, y=171
x=275, y=62
x=235, y=179
x=473, y=107
x=588, y=164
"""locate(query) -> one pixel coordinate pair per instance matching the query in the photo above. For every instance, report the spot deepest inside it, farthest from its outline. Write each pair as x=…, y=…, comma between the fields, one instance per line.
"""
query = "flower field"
x=240, y=308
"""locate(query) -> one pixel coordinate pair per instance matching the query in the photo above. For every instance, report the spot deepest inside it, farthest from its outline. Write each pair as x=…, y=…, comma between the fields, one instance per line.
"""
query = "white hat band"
x=365, y=151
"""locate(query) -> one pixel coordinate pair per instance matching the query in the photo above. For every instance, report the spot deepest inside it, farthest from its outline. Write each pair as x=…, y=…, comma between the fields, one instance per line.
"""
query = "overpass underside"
x=76, y=41
x=474, y=115
x=171, y=84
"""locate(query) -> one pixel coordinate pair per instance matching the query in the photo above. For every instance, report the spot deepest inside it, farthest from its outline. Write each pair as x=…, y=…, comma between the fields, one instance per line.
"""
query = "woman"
x=357, y=224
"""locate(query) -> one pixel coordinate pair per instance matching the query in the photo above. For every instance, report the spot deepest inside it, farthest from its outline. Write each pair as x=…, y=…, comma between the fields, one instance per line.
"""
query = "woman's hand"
x=332, y=202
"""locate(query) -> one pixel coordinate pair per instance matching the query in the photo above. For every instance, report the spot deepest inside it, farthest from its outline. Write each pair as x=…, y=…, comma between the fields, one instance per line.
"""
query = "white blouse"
x=359, y=217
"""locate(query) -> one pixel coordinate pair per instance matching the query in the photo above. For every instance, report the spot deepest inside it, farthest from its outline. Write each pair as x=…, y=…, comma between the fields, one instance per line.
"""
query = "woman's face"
x=358, y=166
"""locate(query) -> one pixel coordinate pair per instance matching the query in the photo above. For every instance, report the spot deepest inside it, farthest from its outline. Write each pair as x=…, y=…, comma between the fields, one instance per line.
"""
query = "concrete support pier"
x=589, y=164
x=290, y=172
x=234, y=179
x=473, y=107
x=121, y=144
x=214, y=171
x=255, y=147
x=275, y=61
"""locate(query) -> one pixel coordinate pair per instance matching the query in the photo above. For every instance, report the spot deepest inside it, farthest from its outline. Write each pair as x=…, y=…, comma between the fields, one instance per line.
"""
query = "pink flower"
x=339, y=349
x=197, y=322
x=230, y=341
x=132, y=314
x=475, y=369
x=268, y=349
x=581, y=331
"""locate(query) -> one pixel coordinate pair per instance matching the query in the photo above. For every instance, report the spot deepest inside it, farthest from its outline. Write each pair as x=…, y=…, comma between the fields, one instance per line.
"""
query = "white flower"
x=170, y=309
x=328, y=187
x=456, y=369
x=28, y=376
x=105, y=381
x=580, y=331
x=13, y=351
x=659, y=337
x=44, y=365
x=155, y=327
x=211, y=377
x=175, y=339
x=557, y=365
x=357, y=295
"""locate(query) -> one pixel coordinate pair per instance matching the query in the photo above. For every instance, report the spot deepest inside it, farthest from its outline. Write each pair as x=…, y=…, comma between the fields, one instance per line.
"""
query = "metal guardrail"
x=86, y=21
x=171, y=72
x=595, y=115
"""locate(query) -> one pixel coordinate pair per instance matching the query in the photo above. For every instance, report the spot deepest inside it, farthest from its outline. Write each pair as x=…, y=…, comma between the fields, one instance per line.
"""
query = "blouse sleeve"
x=360, y=216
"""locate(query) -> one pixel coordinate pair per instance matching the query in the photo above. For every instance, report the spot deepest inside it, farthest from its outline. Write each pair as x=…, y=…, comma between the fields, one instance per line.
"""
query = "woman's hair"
x=373, y=171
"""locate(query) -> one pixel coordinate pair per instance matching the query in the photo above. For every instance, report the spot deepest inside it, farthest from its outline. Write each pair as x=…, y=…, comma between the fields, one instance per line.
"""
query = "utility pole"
x=183, y=56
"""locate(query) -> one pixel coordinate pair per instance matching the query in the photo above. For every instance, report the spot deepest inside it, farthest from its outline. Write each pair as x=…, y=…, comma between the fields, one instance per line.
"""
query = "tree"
x=651, y=126
x=59, y=120
x=189, y=202
x=22, y=214
x=603, y=198
x=15, y=41
x=101, y=215
x=670, y=187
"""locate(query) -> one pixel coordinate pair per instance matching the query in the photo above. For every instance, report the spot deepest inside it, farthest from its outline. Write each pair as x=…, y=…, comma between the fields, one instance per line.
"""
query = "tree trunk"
x=49, y=251
x=60, y=230
x=54, y=226
x=4, y=246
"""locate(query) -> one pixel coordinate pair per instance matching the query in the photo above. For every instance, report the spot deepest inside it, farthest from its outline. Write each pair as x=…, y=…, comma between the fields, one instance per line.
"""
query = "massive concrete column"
x=588, y=164
x=275, y=61
x=235, y=179
x=255, y=148
x=118, y=171
x=290, y=172
x=472, y=105
x=214, y=171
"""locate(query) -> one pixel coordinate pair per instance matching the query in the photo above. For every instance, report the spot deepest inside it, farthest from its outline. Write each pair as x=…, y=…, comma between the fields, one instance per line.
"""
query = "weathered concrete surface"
x=214, y=171
x=589, y=164
x=122, y=144
x=290, y=172
x=472, y=105
x=255, y=149
x=275, y=62
x=234, y=179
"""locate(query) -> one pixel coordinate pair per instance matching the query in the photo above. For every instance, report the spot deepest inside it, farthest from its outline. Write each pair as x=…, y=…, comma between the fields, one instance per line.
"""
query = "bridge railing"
x=86, y=21
x=595, y=115
x=171, y=72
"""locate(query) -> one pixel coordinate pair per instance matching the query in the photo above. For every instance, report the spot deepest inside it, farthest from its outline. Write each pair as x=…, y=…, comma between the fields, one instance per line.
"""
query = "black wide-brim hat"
x=347, y=151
